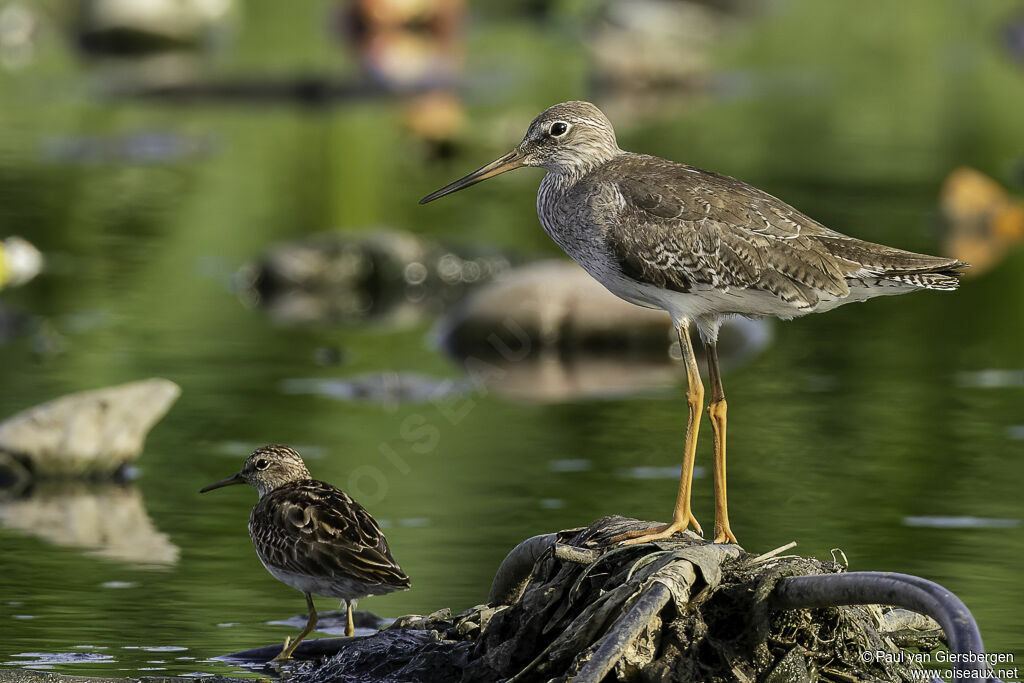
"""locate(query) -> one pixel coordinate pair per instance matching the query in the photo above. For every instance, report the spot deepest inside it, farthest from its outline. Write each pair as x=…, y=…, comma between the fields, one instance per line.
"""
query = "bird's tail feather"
x=941, y=274
x=942, y=280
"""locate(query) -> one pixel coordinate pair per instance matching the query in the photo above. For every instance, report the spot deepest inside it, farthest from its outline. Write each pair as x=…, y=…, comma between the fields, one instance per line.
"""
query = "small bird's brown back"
x=310, y=527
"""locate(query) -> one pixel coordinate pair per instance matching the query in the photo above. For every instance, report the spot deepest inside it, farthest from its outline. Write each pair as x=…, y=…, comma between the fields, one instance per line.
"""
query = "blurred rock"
x=90, y=433
x=645, y=54
x=141, y=46
x=383, y=275
x=555, y=304
x=107, y=520
x=19, y=30
x=20, y=261
x=549, y=331
x=134, y=27
x=640, y=44
x=981, y=221
x=551, y=304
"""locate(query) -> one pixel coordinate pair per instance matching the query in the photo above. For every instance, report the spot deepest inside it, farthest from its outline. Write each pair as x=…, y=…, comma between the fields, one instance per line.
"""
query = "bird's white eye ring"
x=558, y=129
x=262, y=464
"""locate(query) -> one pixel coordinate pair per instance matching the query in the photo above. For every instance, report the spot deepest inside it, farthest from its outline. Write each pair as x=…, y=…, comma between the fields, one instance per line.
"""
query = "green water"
x=847, y=425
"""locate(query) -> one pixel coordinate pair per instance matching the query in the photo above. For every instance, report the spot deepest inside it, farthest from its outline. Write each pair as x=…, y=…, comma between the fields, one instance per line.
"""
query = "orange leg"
x=681, y=515
x=717, y=411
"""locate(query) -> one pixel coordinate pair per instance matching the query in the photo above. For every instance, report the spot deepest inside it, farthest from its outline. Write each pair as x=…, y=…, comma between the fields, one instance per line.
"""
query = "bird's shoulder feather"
x=677, y=227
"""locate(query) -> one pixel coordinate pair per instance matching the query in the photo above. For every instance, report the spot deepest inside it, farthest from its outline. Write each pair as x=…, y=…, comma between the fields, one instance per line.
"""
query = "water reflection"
x=940, y=522
x=382, y=275
x=107, y=520
x=385, y=388
x=142, y=147
x=47, y=660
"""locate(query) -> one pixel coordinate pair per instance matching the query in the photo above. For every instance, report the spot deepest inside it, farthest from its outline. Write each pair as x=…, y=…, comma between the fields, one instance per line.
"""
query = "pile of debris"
x=575, y=606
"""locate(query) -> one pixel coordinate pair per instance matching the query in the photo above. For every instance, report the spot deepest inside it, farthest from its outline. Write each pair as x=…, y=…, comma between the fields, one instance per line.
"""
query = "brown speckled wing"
x=313, y=528
x=680, y=226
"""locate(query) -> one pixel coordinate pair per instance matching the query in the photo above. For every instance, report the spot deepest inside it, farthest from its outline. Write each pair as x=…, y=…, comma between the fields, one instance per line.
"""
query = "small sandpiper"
x=313, y=536
x=701, y=246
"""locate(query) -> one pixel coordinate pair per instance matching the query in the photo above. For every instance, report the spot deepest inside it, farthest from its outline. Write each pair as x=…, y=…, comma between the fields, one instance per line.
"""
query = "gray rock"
x=87, y=433
x=551, y=303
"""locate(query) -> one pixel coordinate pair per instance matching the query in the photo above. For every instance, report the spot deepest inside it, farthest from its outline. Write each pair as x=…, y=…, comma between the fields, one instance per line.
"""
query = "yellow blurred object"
x=982, y=221
x=1009, y=224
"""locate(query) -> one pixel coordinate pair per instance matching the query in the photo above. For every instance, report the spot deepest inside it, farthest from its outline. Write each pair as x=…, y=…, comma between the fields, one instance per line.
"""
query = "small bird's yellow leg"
x=717, y=412
x=681, y=515
x=350, y=628
x=289, y=645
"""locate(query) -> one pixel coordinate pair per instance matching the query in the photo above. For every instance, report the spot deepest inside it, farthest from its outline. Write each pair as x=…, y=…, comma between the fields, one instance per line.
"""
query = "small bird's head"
x=571, y=137
x=268, y=468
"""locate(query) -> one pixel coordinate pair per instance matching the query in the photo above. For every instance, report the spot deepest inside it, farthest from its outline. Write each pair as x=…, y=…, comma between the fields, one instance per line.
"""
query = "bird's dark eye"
x=558, y=128
x=262, y=464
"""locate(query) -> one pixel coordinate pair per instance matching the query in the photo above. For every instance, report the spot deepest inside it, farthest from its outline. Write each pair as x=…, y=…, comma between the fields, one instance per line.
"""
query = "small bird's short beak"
x=235, y=478
x=510, y=161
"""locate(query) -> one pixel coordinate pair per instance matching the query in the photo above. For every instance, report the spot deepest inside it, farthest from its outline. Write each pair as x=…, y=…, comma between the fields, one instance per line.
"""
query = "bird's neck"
x=566, y=174
x=263, y=488
x=557, y=181
x=560, y=178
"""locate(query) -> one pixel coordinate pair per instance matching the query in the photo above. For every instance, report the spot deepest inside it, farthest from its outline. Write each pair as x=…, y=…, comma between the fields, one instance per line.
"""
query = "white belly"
x=332, y=587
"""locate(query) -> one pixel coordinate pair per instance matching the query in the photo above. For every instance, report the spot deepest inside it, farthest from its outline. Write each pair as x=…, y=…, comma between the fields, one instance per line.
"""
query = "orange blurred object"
x=414, y=47
x=405, y=43
x=982, y=221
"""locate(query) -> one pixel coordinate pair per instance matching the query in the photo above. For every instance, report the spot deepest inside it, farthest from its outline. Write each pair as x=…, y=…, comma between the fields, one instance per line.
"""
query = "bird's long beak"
x=235, y=478
x=510, y=161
